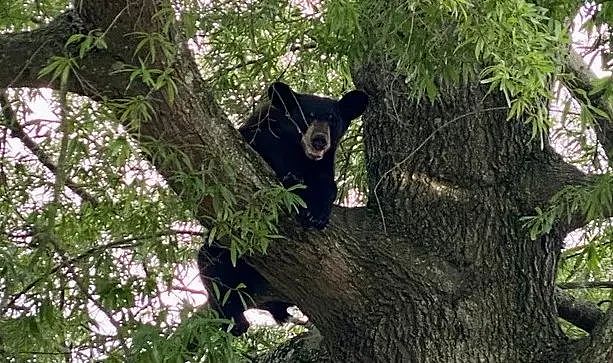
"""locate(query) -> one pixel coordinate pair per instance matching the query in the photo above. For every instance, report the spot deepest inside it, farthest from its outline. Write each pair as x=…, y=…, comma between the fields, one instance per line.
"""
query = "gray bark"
x=582, y=314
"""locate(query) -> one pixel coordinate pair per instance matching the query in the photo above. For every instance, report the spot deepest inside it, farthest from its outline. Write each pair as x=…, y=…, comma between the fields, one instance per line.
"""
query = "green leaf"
x=216, y=292
x=226, y=296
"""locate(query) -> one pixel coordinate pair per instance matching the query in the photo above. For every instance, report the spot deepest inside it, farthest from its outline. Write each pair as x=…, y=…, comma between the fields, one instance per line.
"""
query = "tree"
x=440, y=265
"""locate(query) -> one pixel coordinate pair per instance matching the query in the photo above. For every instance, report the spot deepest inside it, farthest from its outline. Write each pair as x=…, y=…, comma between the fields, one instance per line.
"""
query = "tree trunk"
x=436, y=268
x=439, y=261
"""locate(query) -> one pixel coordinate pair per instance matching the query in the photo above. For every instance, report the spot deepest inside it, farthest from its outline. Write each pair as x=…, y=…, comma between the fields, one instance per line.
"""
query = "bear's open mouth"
x=316, y=140
x=310, y=151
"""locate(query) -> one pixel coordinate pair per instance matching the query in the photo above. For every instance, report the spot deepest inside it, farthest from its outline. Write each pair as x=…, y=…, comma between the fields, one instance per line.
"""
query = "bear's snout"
x=319, y=142
x=316, y=140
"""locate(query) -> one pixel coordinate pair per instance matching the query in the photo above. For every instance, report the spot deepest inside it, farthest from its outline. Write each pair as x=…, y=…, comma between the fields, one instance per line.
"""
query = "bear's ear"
x=352, y=105
x=282, y=97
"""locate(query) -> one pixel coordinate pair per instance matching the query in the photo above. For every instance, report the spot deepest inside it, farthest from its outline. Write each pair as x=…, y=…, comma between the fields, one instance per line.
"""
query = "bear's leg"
x=216, y=268
x=319, y=196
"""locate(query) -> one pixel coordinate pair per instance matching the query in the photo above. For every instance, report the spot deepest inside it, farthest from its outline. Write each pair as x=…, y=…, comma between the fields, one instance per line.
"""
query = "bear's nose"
x=319, y=142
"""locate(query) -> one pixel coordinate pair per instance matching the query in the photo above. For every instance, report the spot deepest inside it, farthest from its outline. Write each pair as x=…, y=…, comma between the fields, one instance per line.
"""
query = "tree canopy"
x=475, y=195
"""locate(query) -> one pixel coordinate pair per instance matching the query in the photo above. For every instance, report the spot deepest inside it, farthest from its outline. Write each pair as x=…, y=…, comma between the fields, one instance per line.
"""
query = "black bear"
x=297, y=135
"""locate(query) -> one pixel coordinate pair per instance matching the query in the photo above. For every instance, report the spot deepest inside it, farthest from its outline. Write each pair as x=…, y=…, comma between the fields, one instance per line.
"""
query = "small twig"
x=114, y=21
x=293, y=48
x=187, y=289
x=423, y=143
x=121, y=243
x=61, y=174
x=579, y=250
x=17, y=131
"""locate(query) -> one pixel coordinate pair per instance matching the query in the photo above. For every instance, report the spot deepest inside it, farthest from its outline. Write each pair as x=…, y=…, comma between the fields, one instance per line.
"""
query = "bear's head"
x=319, y=122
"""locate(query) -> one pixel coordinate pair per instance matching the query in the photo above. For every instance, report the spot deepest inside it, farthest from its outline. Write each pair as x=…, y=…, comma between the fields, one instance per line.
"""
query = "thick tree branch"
x=546, y=175
x=203, y=134
x=580, y=313
x=599, y=345
x=193, y=124
x=581, y=85
x=25, y=54
x=586, y=285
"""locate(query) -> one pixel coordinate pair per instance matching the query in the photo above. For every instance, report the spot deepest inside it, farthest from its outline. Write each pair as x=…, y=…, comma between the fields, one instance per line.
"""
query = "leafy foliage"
x=259, y=340
x=108, y=252
x=16, y=15
x=594, y=202
x=91, y=273
x=197, y=336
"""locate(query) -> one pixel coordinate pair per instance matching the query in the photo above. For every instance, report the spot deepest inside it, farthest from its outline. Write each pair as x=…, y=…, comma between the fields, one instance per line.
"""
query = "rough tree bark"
x=436, y=268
